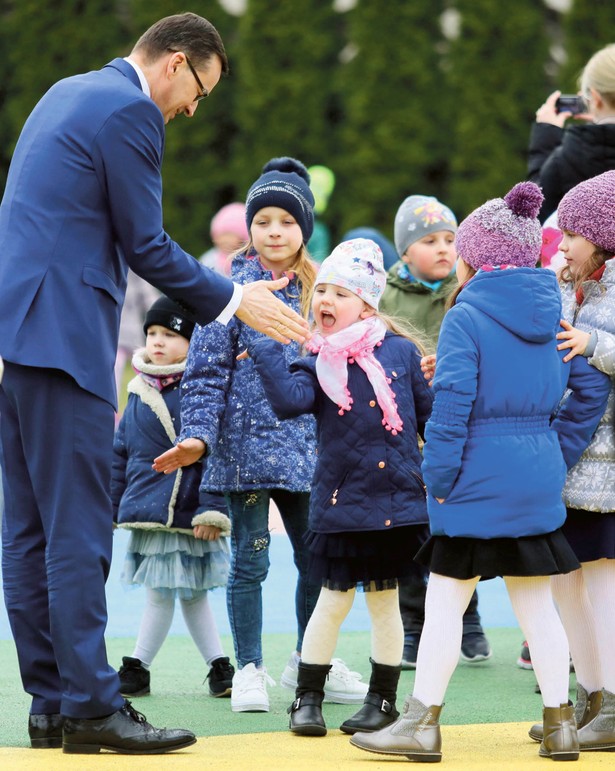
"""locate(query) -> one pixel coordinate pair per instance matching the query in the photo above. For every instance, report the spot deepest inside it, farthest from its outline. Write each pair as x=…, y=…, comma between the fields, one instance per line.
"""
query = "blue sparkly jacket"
x=224, y=404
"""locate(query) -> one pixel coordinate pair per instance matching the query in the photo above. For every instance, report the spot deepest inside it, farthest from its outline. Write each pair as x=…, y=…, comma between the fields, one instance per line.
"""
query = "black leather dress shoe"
x=45, y=731
x=125, y=731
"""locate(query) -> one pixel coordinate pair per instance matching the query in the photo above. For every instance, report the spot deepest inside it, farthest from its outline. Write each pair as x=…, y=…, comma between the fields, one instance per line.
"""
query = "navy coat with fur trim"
x=366, y=477
x=143, y=498
x=492, y=450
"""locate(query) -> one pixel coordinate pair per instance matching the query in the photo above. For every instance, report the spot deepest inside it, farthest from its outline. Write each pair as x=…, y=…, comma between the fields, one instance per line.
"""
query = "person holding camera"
x=559, y=158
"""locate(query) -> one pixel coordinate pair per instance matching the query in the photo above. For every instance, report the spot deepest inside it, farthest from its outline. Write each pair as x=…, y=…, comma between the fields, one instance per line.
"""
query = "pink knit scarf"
x=355, y=344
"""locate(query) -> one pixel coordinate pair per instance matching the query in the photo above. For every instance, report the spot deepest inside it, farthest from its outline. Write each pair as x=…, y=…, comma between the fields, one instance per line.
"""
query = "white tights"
x=156, y=622
x=387, y=639
x=586, y=602
x=445, y=603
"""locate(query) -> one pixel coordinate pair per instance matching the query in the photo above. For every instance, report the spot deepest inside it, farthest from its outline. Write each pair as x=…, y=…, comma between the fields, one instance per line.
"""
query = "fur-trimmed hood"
x=143, y=498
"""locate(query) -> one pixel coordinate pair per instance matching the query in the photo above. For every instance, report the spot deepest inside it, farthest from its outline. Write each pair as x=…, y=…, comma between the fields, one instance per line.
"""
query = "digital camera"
x=570, y=103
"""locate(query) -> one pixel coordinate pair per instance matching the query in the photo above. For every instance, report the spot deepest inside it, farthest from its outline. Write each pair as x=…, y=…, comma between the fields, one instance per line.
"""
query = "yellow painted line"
x=489, y=747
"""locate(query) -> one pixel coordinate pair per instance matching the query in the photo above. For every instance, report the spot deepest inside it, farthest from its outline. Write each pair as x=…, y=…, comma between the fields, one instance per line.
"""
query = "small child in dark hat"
x=494, y=464
x=176, y=550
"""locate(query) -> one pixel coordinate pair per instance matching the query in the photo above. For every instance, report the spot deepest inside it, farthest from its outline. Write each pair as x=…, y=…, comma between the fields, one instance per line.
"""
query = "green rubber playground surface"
x=489, y=708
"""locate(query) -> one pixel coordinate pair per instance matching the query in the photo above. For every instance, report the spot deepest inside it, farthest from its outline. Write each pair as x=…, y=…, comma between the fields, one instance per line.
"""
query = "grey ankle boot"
x=560, y=741
x=585, y=709
x=416, y=734
x=378, y=708
x=599, y=733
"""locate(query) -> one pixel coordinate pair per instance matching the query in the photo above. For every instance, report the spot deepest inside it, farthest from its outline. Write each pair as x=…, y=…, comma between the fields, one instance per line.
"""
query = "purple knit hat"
x=503, y=231
x=589, y=211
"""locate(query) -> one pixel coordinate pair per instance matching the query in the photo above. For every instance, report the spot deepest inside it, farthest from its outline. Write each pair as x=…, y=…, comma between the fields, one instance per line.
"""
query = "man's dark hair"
x=187, y=32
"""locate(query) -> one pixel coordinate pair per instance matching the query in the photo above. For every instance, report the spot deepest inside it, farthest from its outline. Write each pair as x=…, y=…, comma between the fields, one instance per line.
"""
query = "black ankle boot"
x=378, y=708
x=306, y=710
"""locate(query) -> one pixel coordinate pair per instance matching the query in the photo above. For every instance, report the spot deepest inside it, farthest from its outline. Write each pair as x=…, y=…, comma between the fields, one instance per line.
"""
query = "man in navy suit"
x=82, y=204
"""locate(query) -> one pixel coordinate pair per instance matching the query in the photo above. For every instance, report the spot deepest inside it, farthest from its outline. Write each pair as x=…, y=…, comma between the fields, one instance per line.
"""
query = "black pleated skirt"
x=464, y=558
x=371, y=560
x=590, y=534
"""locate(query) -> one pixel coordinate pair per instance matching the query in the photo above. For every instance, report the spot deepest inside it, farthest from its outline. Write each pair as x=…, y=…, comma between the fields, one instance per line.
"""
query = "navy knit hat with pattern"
x=170, y=315
x=285, y=183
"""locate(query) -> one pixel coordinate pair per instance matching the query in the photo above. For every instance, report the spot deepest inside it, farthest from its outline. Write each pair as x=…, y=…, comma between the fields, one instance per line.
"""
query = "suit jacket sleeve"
x=127, y=155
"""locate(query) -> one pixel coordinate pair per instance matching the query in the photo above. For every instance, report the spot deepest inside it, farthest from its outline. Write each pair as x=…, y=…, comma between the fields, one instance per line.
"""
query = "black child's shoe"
x=125, y=731
x=134, y=678
x=220, y=677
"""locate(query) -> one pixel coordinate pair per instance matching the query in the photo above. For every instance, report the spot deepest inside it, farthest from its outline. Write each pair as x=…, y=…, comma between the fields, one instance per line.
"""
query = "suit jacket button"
x=372, y=403
x=387, y=522
x=382, y=464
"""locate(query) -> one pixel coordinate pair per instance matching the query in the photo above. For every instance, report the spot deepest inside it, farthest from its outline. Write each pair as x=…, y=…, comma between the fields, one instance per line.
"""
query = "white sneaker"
x=341, y=687
x=249, y=690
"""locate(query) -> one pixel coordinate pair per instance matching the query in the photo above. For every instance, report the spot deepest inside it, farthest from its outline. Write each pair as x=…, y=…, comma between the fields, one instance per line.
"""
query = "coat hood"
x=526, y=301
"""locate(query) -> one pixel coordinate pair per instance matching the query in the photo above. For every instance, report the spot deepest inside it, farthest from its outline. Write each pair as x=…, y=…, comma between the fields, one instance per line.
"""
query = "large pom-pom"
x=525, y=199
x=287, y=165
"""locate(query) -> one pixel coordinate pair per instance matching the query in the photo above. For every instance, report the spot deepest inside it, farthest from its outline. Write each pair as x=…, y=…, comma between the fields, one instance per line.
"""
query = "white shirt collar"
x=140, y=75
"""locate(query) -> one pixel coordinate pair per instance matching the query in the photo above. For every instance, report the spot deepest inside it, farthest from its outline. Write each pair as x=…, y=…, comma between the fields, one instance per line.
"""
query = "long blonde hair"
x=304, y=266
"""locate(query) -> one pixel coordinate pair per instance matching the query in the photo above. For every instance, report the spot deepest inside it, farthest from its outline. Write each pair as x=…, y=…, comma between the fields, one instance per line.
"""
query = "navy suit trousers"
x=57, y=536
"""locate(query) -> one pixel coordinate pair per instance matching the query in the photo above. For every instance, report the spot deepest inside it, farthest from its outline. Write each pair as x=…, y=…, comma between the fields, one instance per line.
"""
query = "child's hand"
x=243, y=355
x=206, y=532
x=574, y=338
x=183, y=454
x=428, y=365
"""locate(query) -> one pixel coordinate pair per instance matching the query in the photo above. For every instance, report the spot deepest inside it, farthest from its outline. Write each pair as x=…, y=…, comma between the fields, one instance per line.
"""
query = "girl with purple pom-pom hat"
x=494, y=464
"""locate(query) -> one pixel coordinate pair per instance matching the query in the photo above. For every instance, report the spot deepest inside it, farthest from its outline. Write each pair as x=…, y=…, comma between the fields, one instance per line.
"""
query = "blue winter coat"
x=142, y=497
x=491, y=449
x=366, y=478
x=224, y=404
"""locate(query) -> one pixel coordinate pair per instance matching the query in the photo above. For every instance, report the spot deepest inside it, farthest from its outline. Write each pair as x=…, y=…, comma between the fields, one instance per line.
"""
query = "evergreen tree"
x=497, y=77
x=46, y=41
x=396, y=122
x=589, y=25
x=285, y=100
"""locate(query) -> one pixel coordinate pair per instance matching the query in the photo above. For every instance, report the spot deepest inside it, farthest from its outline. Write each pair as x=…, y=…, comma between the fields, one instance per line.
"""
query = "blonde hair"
x=404, y=328
x=305, y=268
x=599, y=74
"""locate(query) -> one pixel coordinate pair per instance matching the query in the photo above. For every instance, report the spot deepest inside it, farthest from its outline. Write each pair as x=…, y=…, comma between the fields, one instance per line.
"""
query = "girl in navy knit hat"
x=252, y=457
x=494, y=464
x=586, y=597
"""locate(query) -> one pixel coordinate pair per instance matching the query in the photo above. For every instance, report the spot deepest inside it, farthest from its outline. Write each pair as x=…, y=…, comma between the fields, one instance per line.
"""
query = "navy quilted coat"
x=366, y=478
x=491, y=449
x=224, y=404
x=141, y=497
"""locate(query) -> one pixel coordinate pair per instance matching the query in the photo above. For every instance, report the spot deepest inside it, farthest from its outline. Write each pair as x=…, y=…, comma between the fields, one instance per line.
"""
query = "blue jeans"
x=250, y=538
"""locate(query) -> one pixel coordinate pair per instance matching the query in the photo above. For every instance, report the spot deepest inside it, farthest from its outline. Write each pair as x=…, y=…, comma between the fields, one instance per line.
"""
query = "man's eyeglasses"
x=204, y=93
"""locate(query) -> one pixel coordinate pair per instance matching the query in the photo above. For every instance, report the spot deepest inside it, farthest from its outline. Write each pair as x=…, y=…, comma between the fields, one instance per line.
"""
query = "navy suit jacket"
x=82, y=203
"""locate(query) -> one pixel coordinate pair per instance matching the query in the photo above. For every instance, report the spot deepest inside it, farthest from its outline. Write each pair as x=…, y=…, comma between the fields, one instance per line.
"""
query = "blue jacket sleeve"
x=206, y=381
x=291, y=391
x=454, y=388
x=580, y=414
x=423, y=394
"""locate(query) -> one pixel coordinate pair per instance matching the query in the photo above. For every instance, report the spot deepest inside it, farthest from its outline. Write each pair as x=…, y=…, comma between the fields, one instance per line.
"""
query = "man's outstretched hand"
x=263, y=311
